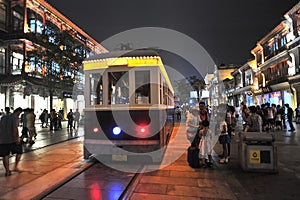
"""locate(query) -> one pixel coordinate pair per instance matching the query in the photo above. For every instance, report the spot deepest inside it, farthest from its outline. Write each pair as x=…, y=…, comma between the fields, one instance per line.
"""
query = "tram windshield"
x=142, y=85
x=118, y=85
x=96, y=87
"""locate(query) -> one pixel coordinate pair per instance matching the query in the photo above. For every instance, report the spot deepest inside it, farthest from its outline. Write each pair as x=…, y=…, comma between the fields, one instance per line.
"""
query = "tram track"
x=109, y=179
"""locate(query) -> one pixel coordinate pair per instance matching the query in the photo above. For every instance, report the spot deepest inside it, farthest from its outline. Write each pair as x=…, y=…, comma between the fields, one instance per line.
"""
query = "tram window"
x=96, y=89
x=161, y=90
x=118, y=84
x=165, y=93
x=142, y=87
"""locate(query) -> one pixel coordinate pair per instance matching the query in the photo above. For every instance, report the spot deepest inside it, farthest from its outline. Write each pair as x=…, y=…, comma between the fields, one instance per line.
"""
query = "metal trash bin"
x=257, y=152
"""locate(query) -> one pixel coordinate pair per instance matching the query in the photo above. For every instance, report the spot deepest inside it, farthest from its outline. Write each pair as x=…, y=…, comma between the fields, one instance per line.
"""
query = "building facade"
x=41, y=52
x=274, y=74
x=277, y=59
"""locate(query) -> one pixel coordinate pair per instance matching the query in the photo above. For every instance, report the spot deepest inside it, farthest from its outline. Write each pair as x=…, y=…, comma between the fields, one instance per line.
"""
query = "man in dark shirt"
x=10, y=141
x=203, y=111
x=290, y=117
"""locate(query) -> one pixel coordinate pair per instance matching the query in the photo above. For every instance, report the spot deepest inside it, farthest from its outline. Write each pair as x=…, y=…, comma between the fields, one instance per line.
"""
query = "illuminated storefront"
x=42, y=58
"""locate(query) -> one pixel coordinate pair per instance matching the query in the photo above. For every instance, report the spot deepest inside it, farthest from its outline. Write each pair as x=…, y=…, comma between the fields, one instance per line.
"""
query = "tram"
x=129, y=105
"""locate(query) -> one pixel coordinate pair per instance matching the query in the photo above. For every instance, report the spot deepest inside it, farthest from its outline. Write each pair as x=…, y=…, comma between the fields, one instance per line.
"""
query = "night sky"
x=227, y=29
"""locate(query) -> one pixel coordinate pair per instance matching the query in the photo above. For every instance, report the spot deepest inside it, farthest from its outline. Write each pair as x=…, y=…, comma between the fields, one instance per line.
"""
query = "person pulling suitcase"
x=192, y=133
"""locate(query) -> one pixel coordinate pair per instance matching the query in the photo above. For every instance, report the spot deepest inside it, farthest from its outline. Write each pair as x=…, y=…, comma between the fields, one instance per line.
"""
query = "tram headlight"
x=116, y=130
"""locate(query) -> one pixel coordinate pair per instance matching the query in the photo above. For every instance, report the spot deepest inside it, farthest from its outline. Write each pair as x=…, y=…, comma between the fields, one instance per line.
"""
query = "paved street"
x=46, y=168
x=285, y=184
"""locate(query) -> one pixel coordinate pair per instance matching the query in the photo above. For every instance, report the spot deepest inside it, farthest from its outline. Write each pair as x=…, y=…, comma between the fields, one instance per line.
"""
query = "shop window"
x=96, y=89
x=55, y=69
x=2, y=60
x=17, y=21
x=36, y=26
x=16, y=61
x=3, y=10
x=298, y=22
x=118, y=84
x=259, y=57
x=283, y=41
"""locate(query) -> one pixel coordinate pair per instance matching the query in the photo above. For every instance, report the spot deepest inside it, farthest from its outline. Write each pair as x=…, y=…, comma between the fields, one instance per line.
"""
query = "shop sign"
x=267, y=89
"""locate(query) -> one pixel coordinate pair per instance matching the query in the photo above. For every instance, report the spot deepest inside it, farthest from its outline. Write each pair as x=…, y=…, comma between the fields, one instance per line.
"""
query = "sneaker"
x=209, y=164
x=203, y=165
x=223, y=161
x=31, y=142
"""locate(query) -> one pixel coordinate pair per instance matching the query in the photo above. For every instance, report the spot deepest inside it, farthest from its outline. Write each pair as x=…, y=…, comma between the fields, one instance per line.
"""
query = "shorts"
x=224, y=139
x=13, y=148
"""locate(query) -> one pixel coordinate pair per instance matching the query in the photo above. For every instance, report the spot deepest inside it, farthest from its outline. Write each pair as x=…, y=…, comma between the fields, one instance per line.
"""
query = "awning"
x=243, y=89
x=280, y=86
x=35, y=82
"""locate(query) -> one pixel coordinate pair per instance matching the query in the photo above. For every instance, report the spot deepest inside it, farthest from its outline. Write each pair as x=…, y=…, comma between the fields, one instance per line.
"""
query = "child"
x=224, y=139
x=206, y=143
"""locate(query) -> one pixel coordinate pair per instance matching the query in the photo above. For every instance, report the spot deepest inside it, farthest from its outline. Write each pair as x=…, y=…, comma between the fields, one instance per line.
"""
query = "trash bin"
x=257, y=152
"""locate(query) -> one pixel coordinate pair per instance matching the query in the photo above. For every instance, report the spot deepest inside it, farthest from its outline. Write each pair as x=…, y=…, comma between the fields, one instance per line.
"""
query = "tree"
x=183, y=89
x=197, y=84
x=64, y=50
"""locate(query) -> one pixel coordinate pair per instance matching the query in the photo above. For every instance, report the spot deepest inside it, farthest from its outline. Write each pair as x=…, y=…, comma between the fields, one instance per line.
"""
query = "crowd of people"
x=266, y=117
x=11, y=140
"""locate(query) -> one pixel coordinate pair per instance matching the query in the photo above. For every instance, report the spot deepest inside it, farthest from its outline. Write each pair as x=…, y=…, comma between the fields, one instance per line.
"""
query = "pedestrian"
x=229, y=122
x=206, y=145
x=42, y=118
x=245, y=113
x=24, y=125
x=203, y=111
x=254, y=123
x=193, y=126
x=1, y=113
x=271, y=116
x=53, y=120
x=178, y=113
x=7, y=111
x=297, y=111
x=76, y=119
x=59, y=119
x=290, y=117
x=47, y=116
x=224, y=139
x=70, y=117
x=30, y=118
x=10, y=141
x=233, y=120
x=278, y=120
x=187, y=112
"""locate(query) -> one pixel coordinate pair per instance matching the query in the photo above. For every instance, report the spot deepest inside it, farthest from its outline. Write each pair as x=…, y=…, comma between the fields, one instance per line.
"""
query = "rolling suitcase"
x=193, y=157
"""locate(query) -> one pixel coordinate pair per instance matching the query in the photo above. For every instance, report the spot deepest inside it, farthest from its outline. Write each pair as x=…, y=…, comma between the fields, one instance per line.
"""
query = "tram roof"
x=152, y=57
x=127, y=53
